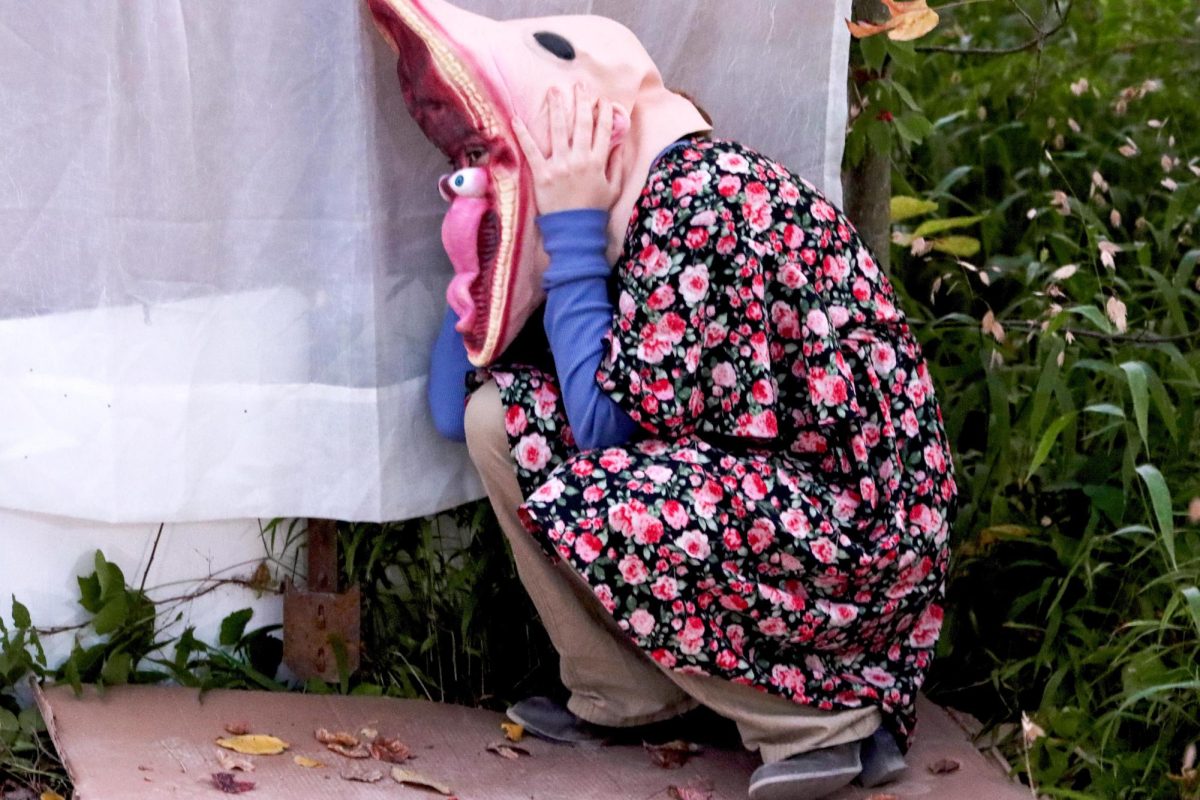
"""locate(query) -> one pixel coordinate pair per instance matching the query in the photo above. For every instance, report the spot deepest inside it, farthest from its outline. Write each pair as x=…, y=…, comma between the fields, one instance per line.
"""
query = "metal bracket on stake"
x=321, y=626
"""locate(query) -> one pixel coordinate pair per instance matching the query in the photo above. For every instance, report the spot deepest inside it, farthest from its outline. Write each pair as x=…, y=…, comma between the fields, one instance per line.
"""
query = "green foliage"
x=444, y=618
x=444, y=615
x=123, y=640
x=1065, y=352
x=25, y=752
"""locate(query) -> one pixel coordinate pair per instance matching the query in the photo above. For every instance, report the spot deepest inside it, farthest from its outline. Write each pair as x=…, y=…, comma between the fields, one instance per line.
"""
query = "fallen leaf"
x=910, y=20
x=512, y=731
x=307, y=763
x=341, y=737
x=229, y=784
x=230, y=763
x=505, y=750
x=361, y=774
x=238, y=728
x=389, y=749
x=944, y=766
x=701, y=790
x=254, y=745
x=410, y=778
x=51, y=796
x=358, y=751
x=672, y=755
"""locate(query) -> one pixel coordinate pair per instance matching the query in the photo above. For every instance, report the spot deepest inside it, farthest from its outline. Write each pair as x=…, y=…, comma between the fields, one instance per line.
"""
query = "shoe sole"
x=544, y=724
x=810, y=786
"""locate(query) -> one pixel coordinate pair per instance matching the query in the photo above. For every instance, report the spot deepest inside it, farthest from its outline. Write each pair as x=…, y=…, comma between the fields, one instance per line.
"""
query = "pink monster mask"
x=465, y=77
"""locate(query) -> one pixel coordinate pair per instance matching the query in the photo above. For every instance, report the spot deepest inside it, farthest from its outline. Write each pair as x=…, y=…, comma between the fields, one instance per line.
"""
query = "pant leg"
x=611, y=681
x=775, y=726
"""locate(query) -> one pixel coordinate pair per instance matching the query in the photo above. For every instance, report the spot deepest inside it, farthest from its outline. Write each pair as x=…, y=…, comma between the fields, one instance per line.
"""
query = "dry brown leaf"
x=238, y=728
x=358, y=751
x=228, y=784
x=512, y=731
x=944, y=766
x=353, y=772
x=910, y=19
x=990, y=326
x=1117, y=313
x=389, y=749
x=254, y=744
x=231, y=763
x=409, y=778
x=307, y=763
x=700, y=790
x=672, y=755
x=341, y=737
x=506, y=750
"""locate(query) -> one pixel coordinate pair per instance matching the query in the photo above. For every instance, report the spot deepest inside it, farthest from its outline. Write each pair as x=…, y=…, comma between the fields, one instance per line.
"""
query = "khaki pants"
x=611, y=681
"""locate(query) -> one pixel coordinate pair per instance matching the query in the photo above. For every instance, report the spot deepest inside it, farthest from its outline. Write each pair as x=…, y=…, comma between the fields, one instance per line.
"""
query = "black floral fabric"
x=783, y=521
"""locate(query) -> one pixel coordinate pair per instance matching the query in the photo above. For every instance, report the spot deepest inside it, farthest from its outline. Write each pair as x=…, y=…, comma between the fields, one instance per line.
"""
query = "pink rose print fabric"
x=783, y=522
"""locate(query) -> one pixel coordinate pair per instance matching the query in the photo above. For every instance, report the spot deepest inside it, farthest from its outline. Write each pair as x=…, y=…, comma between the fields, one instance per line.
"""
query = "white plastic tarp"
x=220, y=269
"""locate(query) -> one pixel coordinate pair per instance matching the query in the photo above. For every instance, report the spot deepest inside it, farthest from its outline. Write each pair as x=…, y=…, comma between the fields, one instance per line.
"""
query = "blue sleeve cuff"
x=577, y=243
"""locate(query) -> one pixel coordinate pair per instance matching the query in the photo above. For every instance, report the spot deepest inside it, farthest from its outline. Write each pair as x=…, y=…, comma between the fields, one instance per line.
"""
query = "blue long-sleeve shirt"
x=578, y=314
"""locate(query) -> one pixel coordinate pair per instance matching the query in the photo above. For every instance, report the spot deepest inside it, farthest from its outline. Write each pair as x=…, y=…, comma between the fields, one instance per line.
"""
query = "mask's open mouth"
x=456, y=109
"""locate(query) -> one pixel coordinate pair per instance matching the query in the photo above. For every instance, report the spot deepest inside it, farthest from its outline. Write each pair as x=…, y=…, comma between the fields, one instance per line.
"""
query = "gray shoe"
x=808, y=776
x=546, y=719
x=881, y=759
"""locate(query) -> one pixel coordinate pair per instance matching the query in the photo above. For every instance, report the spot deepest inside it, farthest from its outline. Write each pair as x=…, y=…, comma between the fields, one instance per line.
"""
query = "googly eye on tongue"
x=469, y=182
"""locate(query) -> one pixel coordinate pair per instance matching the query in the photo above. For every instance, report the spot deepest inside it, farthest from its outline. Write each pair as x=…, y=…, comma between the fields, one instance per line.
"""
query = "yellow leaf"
x=254, y=745
x=908, y=207
x=410, y=778
x=51, y=796
x=307, y=763
x=997, y=533
x=512, y=731
x=961, y=246
x=910, y=19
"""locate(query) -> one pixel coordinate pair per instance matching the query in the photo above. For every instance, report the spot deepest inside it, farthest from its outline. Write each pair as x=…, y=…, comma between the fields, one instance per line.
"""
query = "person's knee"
x=487, y=440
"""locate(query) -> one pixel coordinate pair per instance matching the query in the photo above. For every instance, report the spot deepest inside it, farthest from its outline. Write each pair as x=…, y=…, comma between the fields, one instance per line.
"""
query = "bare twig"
x=1032, y=23
x=153, y=552
x=1036, y=42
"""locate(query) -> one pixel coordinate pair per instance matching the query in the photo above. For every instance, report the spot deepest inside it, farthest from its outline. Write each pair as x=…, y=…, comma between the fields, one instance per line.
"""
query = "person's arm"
x=578, y=315
x=447, y=391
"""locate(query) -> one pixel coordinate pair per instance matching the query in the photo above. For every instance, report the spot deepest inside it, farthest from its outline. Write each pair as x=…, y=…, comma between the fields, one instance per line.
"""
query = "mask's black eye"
x=556, y=44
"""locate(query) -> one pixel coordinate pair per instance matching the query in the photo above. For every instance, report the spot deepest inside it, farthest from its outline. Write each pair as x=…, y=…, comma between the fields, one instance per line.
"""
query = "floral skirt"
x=747, y=565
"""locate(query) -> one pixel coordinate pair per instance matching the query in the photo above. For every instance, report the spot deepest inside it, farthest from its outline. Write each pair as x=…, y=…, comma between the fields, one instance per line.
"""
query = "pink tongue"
x=460, y=237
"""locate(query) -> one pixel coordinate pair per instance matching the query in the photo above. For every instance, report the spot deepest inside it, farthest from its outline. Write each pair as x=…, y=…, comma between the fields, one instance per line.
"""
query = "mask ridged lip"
x=453, y=74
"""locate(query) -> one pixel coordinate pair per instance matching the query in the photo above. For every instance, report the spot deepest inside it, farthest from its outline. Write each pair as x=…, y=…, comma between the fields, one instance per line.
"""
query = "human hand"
x=574, y=174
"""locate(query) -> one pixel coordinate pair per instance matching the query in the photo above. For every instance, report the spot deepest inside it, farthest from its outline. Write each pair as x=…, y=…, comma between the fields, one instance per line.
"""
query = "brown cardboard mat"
x=146, y=743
